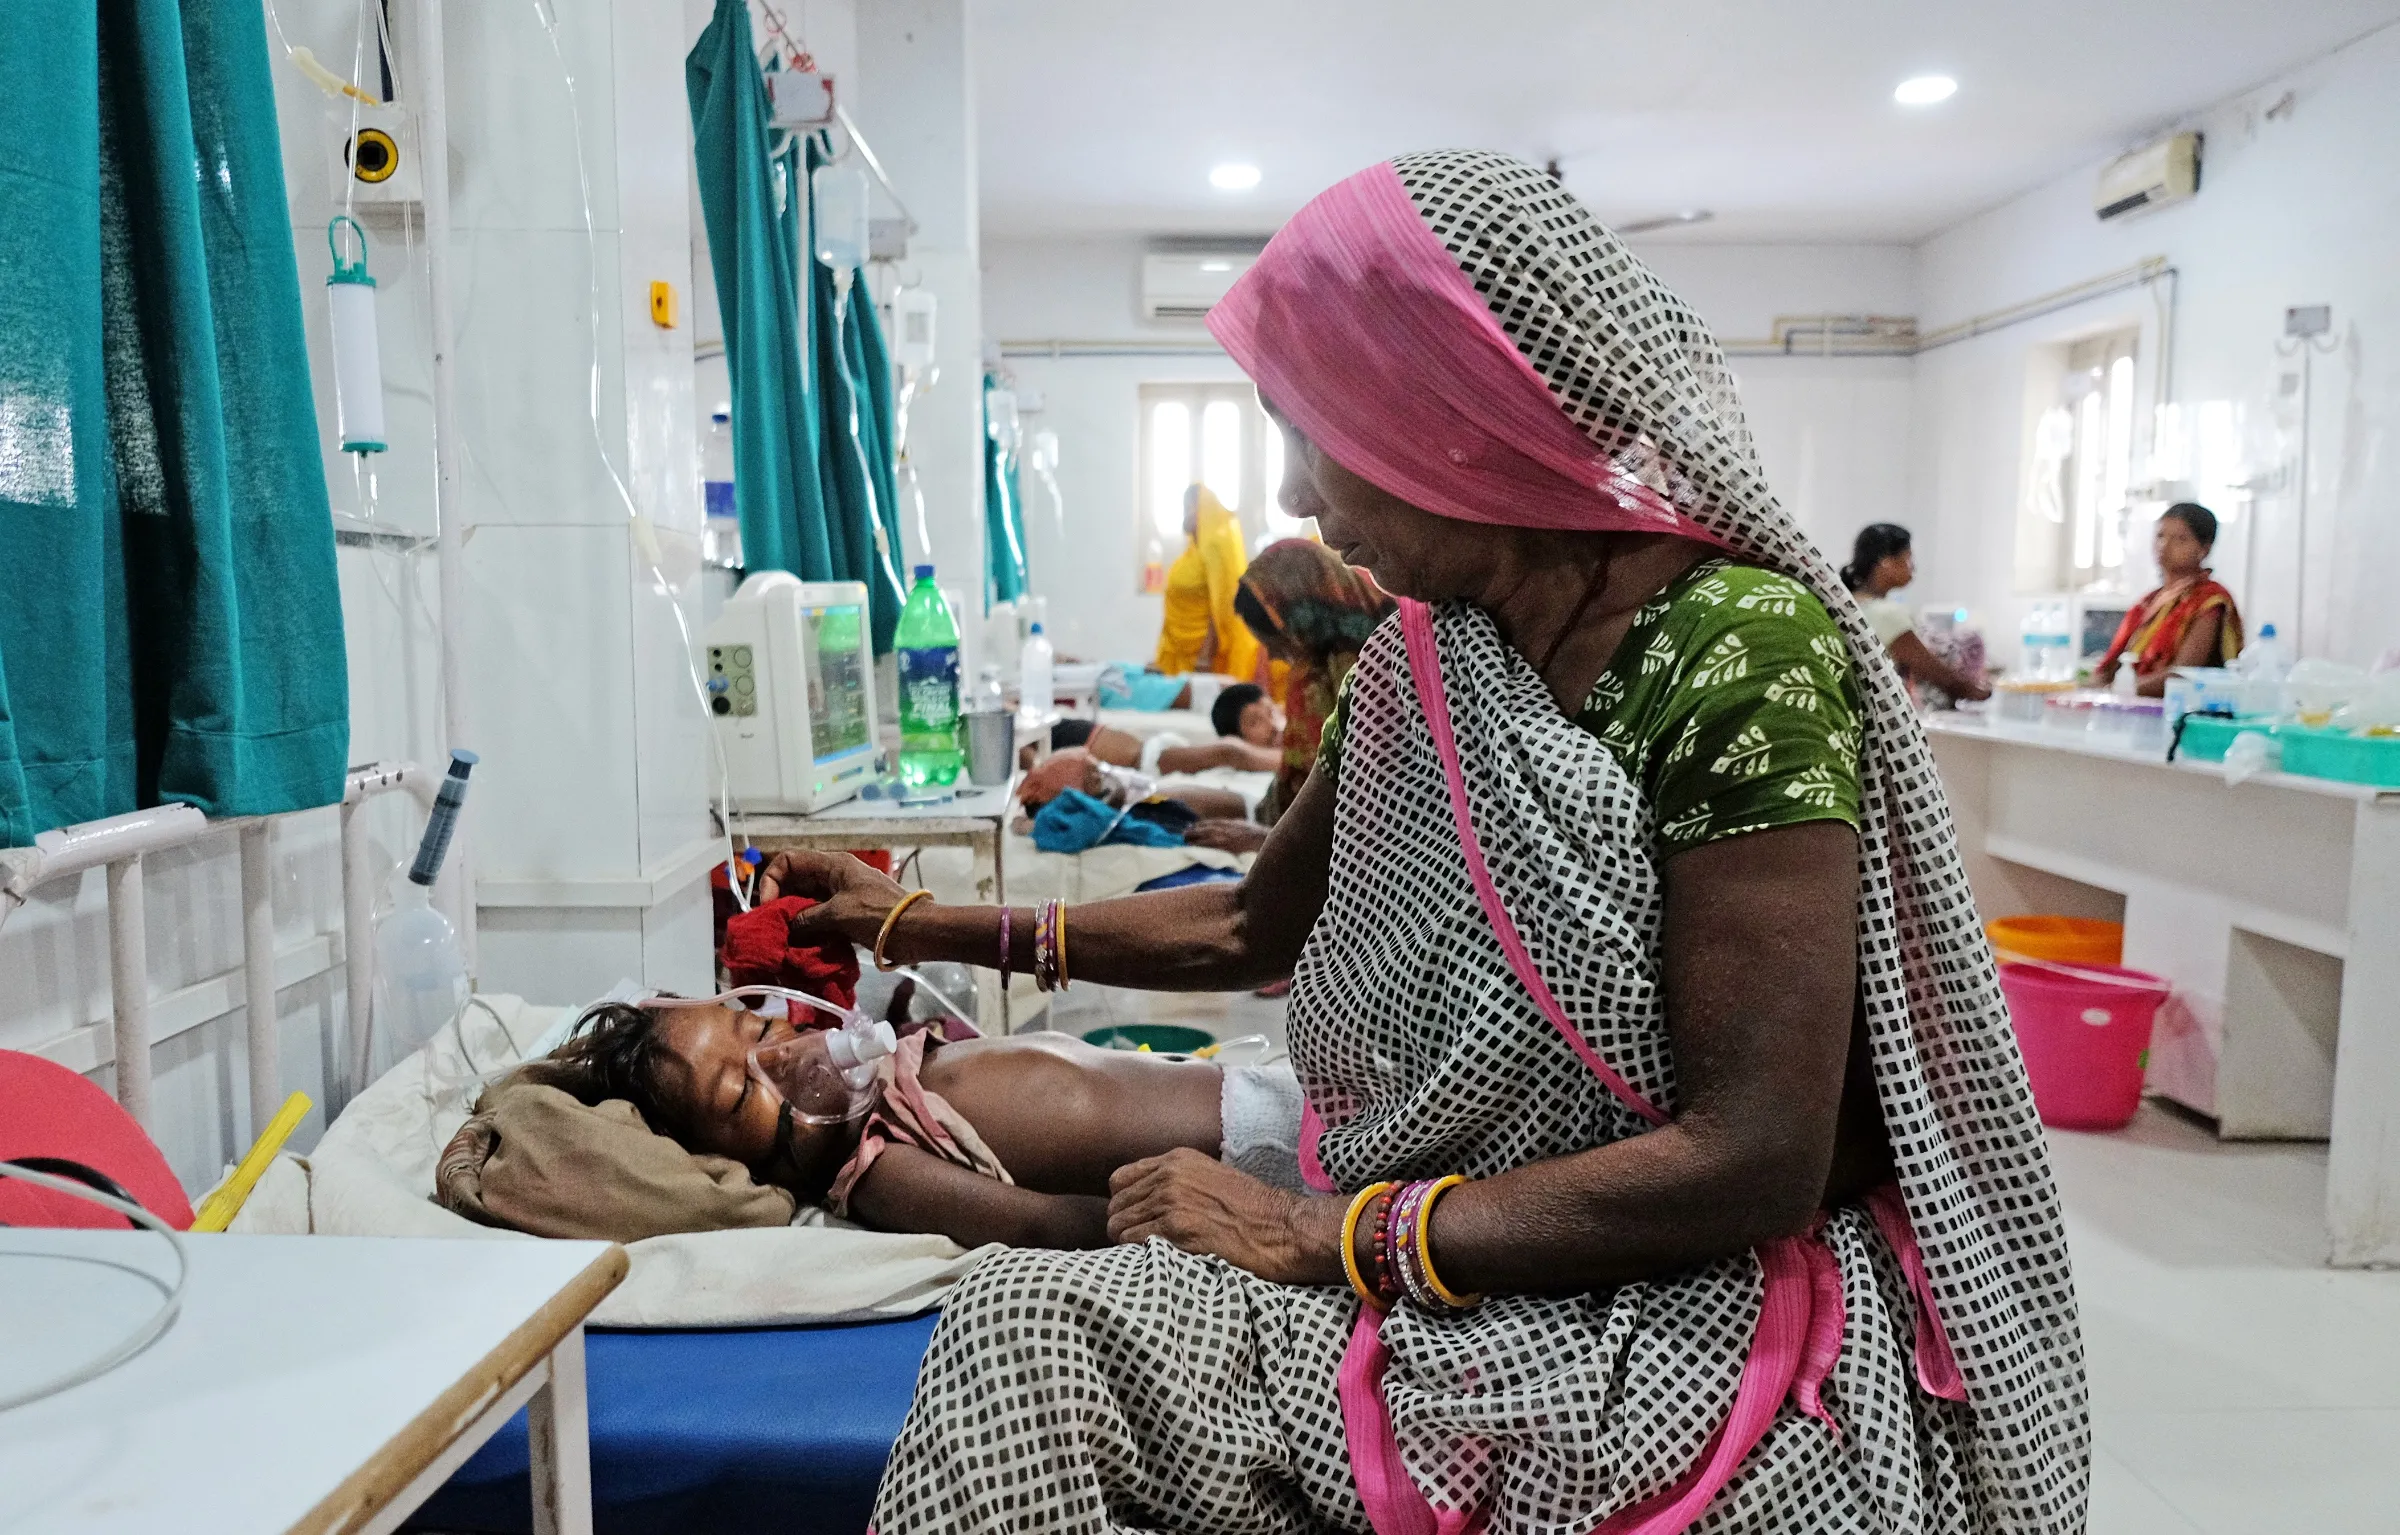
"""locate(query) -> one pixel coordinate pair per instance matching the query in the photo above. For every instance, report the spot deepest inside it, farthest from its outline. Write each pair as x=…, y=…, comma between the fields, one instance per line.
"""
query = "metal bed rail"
x=120, y=843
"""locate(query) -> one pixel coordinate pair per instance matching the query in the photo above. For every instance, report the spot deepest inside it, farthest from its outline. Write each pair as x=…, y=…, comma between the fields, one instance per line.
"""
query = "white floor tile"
x=2265, y=1473
x=2123, y=1504
x=2237, y=1384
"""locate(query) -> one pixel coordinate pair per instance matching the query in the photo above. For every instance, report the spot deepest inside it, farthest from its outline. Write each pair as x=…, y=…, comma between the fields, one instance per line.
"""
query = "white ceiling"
x=1104, y=116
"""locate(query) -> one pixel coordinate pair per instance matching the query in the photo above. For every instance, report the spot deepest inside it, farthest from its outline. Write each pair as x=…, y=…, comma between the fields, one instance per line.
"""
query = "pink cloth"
x=1362, y=329
x=908, y=1113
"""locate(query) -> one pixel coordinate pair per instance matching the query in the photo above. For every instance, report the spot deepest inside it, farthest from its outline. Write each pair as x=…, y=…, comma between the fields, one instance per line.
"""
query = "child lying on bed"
x=981, y=1140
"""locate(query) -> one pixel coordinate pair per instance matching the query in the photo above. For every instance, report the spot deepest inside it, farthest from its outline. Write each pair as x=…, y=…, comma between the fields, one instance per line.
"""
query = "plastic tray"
x=2206, y=738
x=2341, y=755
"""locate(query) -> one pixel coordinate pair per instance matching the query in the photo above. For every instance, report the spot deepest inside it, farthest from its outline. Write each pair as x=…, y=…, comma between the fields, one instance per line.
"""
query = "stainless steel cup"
x=991, y=739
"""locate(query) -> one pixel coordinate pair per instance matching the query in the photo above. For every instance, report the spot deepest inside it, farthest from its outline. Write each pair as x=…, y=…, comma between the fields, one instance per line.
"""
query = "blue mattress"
x=730, y=1431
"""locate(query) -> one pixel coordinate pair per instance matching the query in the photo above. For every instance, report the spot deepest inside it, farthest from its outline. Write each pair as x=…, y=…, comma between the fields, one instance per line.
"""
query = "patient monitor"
x=791, y=683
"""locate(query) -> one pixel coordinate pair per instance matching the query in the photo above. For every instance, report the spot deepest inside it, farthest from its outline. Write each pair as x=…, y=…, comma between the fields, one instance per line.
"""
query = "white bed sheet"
x=372, y=1175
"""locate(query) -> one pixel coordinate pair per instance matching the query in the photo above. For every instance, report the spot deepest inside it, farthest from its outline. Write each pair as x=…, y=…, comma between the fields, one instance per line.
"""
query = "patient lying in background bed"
x=981, y=1140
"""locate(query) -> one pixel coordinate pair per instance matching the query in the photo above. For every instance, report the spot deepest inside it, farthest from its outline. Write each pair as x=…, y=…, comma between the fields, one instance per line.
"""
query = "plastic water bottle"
x=2030, y=649
x=1035, y=695
x=927, y=642
x=2262, y=668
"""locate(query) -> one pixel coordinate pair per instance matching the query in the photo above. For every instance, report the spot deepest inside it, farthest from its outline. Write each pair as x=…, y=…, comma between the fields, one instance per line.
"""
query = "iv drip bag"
x=840, y=194
x=357, y=355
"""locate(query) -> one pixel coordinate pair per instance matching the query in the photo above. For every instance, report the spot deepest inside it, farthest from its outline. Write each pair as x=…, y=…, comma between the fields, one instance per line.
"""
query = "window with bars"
x=2071, y=533
x=1215, y=435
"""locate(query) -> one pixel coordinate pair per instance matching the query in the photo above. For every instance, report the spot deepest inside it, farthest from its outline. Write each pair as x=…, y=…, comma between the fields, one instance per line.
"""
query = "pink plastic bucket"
x=2085, y=1032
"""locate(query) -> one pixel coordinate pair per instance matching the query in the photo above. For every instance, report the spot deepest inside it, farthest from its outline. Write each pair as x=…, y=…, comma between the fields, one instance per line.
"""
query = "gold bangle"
x=890, y=917
x=1061, y=939
x=1358, y=1207
x=1425, y=1245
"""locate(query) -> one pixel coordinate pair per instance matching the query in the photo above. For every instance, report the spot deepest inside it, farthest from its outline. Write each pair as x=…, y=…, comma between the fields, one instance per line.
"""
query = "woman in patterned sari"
x=2188, y=619
x=1628, y=925
x=1313, y=613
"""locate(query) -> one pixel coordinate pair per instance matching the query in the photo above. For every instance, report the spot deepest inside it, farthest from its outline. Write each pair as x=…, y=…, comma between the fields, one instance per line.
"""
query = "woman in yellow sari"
x=1200, y=631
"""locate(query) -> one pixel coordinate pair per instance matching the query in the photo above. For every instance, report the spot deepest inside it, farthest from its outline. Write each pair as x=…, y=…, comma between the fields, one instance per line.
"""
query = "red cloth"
x=49, y=1111
x=759, y=951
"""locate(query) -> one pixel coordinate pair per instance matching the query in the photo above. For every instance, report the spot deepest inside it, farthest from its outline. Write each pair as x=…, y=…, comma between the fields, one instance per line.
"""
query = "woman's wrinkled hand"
x=1201, y=1205
x=852, y=898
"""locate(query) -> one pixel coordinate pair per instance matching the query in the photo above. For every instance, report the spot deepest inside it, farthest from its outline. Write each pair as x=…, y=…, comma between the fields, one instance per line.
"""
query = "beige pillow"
x=534, y=1158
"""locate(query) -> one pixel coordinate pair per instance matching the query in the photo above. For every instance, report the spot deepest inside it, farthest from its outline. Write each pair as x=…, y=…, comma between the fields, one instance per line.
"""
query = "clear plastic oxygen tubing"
x=644, y=542
x=141, y=1337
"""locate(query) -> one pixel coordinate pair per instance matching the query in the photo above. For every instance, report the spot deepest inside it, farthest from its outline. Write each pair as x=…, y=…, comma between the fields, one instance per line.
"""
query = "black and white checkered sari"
x=1147, y=1389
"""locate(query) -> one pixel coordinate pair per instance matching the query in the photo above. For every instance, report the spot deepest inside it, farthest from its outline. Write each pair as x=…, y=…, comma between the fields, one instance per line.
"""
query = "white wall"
x=588, y=811
x=1832, y=432
x=2298, y=208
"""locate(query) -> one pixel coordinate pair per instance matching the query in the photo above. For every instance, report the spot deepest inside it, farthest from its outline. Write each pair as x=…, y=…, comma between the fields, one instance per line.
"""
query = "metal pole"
x=258, y=973
x=129, y=985
x=433, y=130
x=358, y=946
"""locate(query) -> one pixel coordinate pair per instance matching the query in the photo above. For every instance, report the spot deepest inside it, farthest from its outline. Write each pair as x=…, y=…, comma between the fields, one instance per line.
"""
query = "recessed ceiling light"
x=1216, y=264
x=1925, y=90
x=1233, y=177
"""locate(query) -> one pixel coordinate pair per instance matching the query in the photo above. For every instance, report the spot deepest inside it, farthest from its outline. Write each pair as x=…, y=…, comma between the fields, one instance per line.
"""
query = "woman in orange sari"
x=2189, y=620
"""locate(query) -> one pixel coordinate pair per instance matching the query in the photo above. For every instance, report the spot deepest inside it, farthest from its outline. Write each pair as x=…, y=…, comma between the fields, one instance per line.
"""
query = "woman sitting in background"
x=1313, y=613
x=1198, y=631
x=2188, y=619
x=1881, y=563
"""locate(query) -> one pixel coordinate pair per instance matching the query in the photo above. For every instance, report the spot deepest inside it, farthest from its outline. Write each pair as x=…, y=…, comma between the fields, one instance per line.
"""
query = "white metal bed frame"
x=120, y=843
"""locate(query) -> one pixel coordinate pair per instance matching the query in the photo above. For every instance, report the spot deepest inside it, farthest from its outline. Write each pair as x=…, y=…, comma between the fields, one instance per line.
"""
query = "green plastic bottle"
x=927, y=642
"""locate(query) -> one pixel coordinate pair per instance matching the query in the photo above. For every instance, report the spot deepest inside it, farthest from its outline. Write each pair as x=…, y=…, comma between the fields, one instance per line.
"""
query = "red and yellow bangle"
x=1424, y=1248
x=1358, y=1207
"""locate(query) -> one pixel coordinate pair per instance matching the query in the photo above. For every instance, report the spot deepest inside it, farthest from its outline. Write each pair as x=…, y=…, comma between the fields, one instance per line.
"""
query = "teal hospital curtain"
x=1003, y=513
x=170, y=618
x=812, y=406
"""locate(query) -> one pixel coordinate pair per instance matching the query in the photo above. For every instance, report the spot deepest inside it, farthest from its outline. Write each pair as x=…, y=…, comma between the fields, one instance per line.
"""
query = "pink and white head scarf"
x=1359, y=326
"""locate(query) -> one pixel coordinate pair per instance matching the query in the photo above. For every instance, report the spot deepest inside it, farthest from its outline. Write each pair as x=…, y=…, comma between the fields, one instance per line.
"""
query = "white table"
x=310, y=1384
x=2273, y=905
x=976, y=819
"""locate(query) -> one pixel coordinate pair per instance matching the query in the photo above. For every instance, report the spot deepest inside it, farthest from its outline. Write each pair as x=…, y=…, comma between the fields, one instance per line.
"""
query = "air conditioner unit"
x=2150, y=177
x=1185, y=285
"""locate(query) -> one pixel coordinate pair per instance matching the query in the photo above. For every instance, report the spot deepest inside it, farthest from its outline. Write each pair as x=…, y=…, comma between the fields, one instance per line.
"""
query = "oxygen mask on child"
x=820, y=1075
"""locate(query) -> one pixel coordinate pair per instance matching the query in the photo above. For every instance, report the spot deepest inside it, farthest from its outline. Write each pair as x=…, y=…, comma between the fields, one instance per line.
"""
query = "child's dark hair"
x=616, y=1051
x=1226, y=712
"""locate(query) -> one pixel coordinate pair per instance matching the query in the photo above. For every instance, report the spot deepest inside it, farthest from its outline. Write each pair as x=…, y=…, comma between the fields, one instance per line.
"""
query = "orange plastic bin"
x=2064, y=940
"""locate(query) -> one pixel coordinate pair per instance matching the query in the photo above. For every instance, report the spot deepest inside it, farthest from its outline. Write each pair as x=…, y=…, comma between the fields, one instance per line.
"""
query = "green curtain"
x=170, y=617
x=812, y=407
x=1003, y=513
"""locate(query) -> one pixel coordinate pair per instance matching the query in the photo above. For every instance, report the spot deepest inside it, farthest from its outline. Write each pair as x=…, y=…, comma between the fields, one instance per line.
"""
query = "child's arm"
x=912, y=1190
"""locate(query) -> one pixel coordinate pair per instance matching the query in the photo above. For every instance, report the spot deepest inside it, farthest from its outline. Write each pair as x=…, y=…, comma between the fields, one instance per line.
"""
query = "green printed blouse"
x=1731, y=701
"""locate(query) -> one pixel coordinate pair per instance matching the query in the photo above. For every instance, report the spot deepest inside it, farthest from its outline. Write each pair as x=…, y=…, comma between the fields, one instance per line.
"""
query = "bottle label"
x=929, y=689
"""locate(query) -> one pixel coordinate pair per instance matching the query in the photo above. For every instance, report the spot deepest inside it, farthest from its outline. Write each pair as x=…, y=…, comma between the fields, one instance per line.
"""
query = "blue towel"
x=1126, y=686
x=1075, y=821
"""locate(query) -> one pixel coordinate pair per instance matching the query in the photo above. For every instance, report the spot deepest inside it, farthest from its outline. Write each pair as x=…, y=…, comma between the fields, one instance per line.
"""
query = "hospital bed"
x=727, y=1431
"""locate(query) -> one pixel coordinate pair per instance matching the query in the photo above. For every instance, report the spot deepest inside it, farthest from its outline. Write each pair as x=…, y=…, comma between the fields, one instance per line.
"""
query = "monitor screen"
x=2100, y=621
x=837, y=682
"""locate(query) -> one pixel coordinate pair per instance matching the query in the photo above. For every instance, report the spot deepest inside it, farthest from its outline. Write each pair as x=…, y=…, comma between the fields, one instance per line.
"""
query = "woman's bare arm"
x=1220, y=937
x=1761, y=982
x=1231, y=752
x=1922, y=663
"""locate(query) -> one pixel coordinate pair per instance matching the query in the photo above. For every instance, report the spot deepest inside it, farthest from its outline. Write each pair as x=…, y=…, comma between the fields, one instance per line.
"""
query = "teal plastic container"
x=927, y=642
x=2340, y=755
x=1160, y=1038
x=2206, y=738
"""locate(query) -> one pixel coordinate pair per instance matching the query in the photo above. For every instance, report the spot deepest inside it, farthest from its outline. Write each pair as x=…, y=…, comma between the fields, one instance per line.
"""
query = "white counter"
x=2273, y=905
